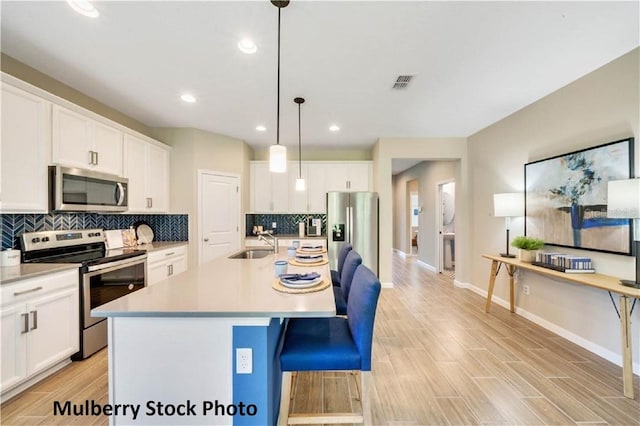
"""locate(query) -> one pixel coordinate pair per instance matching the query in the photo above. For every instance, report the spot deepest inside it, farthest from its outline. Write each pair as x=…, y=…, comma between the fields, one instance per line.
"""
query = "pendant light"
x=300, y=186
x=277, y=152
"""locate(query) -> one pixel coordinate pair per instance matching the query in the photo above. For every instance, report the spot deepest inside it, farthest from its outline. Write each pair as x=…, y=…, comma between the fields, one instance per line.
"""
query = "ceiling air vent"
x=402, y=81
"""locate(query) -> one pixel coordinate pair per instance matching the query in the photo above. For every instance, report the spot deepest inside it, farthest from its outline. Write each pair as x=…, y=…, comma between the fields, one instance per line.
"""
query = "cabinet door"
x=157, y=272
x=71, y=138
x=261, y=201
x=135, y=169
x=26, y=138
x=359, y=177
x=280, y=192
x=14, y=345
x=337, y=175
x=316, y=188
x=157, y=179
x=53, y=328
x=107, y=144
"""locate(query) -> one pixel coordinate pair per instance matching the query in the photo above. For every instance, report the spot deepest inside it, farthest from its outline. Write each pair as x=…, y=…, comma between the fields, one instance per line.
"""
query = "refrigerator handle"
x=350, y=222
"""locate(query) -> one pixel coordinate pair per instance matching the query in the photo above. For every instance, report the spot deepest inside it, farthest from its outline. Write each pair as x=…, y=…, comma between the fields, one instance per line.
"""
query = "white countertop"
x=10, y=274
x=224, y=288
x=161, y=245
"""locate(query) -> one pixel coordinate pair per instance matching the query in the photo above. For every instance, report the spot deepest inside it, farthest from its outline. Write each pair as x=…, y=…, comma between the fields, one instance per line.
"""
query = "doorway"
x=218, y=214
x=414, y=211
x=447, y=228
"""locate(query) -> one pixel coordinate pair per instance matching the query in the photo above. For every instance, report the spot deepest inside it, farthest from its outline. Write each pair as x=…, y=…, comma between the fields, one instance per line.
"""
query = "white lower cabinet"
x=40, y=325
x=162, y=264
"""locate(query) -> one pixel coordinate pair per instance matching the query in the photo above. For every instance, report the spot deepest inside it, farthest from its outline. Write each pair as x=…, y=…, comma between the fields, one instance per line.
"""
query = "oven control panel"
x=52, y=239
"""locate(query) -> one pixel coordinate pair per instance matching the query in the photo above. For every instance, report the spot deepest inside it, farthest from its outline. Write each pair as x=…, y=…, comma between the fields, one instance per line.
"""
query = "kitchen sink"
x=251, y=254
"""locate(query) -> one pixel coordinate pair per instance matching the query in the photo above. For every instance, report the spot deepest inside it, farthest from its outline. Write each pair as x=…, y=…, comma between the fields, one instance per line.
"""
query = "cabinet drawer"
x=34, y=287
x=160, y=255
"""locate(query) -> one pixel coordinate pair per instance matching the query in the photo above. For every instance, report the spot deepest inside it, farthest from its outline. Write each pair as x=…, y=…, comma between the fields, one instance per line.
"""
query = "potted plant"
x=528, y=247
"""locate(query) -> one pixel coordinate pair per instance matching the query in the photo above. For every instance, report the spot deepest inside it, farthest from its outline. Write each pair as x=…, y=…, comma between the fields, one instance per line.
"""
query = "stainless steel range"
x=105, y=275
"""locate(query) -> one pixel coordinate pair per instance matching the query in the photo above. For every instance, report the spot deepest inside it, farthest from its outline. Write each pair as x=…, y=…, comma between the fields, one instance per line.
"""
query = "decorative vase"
x=527, y=255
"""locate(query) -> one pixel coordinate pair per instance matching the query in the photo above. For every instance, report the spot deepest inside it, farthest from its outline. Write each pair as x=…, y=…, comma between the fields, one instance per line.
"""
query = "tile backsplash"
x=166, y=227
x=286, y=223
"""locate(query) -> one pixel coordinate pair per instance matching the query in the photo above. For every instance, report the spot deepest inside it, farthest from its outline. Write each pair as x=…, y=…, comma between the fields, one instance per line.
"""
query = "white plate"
x=145, y=234
x=313, y=260
x=300, y=284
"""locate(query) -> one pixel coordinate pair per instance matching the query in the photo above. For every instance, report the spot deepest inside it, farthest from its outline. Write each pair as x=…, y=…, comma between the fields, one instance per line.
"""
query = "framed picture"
x=566, y=198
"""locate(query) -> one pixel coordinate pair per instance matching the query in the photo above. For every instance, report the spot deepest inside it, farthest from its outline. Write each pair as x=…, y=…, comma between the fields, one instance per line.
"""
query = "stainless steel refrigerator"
x=352, y=217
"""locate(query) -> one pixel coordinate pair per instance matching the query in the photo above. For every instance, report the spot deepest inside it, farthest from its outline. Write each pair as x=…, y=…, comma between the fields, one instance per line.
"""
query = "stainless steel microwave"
x=80, y=190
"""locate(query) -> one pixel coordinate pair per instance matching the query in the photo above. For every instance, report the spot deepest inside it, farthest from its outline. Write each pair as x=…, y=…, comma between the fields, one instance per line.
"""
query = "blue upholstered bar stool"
x=333, y=344
x=335, y=274
x=341, y=294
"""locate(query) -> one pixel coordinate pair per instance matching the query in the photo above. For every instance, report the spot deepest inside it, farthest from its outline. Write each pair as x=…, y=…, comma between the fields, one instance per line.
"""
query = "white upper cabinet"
x=269, y=191
x=79, y=141
x=349, y=176
x=146, y=165
x=276, y=193
x=24, y=151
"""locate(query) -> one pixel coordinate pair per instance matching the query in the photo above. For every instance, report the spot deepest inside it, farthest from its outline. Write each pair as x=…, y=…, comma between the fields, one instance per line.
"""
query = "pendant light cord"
x=299, y=146
x=278, y=110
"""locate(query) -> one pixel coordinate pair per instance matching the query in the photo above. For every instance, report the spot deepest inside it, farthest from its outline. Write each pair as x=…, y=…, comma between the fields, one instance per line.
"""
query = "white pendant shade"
x=300, y=185
x=277, y=159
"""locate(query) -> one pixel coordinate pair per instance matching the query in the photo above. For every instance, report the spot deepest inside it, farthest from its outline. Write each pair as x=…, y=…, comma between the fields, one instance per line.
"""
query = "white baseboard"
x=387, y=285
x=400, y=253
x=554, y=328
x=426, y=265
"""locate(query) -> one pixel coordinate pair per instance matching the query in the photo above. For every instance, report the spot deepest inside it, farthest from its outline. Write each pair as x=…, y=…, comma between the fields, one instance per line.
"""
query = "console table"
x=603, y=282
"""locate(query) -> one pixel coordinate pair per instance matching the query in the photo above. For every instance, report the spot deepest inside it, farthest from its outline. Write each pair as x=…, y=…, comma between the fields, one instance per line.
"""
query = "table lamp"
x=508, y=205
x=623, y=202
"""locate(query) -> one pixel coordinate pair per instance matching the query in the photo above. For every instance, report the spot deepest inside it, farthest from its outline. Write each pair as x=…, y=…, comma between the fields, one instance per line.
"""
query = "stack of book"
x=565, y=263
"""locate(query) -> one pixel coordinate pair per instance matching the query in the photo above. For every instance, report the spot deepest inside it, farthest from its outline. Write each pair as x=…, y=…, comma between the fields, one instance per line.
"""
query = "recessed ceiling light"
x=334, y=128
x=246, y=45
x=84, y=7
x=188, y=98
x=261, y=128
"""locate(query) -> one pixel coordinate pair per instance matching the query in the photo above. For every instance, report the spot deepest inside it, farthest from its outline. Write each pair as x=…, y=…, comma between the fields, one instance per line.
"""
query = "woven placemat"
x=277, y=285
x=294, y=262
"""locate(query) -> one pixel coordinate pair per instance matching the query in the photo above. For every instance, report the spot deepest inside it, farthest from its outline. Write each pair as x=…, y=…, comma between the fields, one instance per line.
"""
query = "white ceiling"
x=475, y=62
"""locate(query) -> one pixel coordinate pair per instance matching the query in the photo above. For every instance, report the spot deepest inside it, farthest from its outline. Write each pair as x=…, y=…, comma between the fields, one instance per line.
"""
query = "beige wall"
x=598, y=108
x=427, y=174
x=314, y=154
x=32, y=76
x=432, y=149
x=194, y=150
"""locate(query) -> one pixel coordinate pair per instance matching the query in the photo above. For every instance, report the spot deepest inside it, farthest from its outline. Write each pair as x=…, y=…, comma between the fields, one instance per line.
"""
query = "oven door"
x=106, y=282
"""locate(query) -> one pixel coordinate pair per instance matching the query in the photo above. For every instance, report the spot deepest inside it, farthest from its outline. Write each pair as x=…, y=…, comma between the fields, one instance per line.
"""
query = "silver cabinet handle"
x=90, y=157
x=169, y=270
x=96, y=163
x=35, y=320
x=170, y=253
x=25, y=323
x=149, y=202
x=31, y=290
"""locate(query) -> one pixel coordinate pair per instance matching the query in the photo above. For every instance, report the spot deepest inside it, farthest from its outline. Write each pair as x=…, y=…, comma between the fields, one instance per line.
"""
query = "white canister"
x=10, y=257
x=301, y=229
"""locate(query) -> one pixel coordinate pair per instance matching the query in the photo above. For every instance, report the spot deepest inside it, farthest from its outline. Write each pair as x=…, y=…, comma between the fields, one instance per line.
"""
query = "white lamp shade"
x=508, y=204
x=300, y=185
x=623, y=199
x=277, y=159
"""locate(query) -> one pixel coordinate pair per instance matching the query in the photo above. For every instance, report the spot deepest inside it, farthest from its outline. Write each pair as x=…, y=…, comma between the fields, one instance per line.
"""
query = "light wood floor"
x=438, y=360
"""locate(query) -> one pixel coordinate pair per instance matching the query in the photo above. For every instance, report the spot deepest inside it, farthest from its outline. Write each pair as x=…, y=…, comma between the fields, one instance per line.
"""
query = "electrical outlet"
x=525, y=289
x=244, y=361
x=274, y=225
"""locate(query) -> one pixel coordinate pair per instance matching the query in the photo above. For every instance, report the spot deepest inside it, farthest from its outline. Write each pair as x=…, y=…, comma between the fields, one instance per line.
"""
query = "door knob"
x=206, y=239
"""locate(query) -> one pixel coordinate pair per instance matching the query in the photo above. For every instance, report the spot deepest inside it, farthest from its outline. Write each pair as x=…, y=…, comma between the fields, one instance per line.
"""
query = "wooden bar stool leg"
x=285, y=399
x=366, y=384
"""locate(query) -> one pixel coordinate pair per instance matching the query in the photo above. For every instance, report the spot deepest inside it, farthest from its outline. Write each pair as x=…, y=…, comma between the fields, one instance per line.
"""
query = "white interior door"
x=219, y=215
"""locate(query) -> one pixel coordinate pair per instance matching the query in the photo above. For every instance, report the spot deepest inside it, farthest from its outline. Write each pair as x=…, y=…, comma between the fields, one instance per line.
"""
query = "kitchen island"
x=173, y=346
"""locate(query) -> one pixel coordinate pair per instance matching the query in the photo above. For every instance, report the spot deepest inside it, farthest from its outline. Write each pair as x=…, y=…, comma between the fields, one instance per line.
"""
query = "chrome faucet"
x=273, y=243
